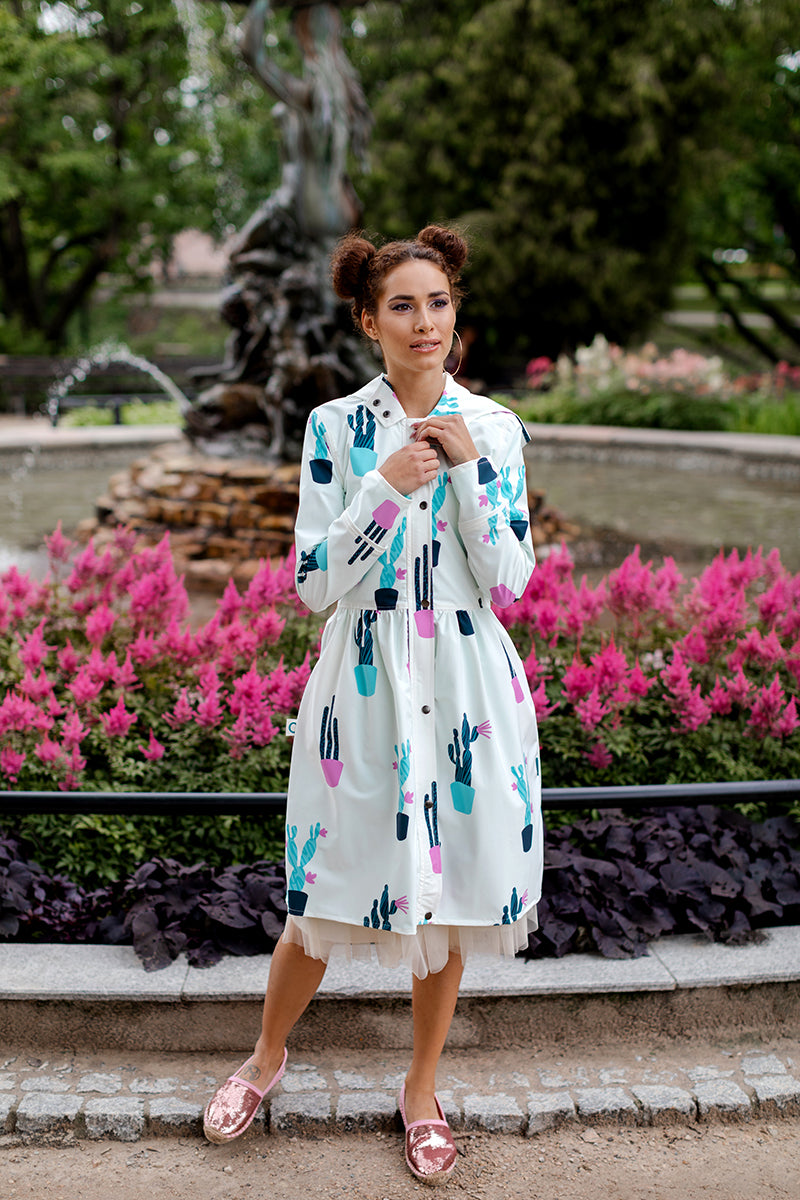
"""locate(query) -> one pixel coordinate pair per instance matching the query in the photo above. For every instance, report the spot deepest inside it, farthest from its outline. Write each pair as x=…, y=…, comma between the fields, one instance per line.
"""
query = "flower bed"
x=643, y=678
x=606, y=385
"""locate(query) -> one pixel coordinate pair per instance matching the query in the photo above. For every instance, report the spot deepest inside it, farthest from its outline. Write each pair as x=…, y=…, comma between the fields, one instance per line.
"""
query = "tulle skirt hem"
x=425, y=951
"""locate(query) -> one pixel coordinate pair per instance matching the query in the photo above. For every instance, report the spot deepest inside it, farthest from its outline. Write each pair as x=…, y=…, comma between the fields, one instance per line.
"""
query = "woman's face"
x=415, y=319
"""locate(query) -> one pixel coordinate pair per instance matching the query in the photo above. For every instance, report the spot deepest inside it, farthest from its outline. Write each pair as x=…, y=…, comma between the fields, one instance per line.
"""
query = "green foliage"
x=104, y=848
x=560, y=136
x=157, y=412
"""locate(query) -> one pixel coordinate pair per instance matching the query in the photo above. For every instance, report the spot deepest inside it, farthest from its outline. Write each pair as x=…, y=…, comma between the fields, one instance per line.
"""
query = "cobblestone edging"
x=70, y=1103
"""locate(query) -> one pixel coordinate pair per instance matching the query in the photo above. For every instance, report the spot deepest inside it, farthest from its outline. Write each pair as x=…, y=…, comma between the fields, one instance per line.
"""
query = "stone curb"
x=42, y=1117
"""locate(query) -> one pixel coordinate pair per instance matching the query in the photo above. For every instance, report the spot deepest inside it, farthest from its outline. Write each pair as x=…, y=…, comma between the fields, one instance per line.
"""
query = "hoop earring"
x=456, y=334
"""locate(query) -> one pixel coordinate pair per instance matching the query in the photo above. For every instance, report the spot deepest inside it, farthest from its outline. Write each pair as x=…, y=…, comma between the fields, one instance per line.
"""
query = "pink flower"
x=694, y=645
x=49, y=752
x=638, y=683
x=36, y=688
x=182, y=712
x=11, y=763
x=230, y=602
x=599, y=756
x=676, y=675
x=209, y=711
x=68, y=659
x=58, y=546
x=311, y=877
x=693, y=710
x=541, y=704
x=719, y=699
x=739, y=688
x=73, y=731
x=84, y=688
x=154, y=750
x=143, y=648
x=99, y=624
x=610, y=667
x=101, y=669
x=124, y=676
x=485, y=729
x=34, y=650
x=267, y=627
x=579, y=679
x=591, y=710
x=117, y=721
x=767, y=707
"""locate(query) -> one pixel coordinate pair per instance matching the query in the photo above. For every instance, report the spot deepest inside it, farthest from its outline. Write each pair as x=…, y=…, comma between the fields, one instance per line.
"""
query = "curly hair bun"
x=349, y=266
x=452, y=248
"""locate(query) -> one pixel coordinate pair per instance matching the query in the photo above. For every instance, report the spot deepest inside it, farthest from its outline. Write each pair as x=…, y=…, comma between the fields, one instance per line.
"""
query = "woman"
x=413, y=815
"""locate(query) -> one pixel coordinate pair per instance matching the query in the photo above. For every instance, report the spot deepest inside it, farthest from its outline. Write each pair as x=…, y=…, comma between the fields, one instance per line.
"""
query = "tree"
x=560, y=134
x=749, y=198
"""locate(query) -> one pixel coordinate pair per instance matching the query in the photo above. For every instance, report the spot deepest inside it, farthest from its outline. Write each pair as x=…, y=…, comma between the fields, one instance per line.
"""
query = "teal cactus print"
x=315, y=559
x=390, y=556
x=402, y=765
x=461, y=790
x=318, y=430
x=432, y=822
x=437, y=526
x=381, y=911
x=362, y=453
x=447, y=404
x=520, y=786
x=492, y=535
x=517, y=514
x=365, y=672
x=423, y=592
x=296, y=896
x=363, y=426
x=513, y=910
x=460, y=753
x=321, y=465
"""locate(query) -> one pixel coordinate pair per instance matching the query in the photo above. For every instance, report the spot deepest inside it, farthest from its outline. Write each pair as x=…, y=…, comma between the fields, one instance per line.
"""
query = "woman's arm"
x=337, y=543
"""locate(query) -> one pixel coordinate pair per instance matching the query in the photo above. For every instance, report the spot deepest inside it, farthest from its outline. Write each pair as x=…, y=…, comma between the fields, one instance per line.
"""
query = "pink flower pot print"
x=425, y=622
x=385, y=514
x=519, y=695
x=502, y=596
x=332, y=770
x=436, y=859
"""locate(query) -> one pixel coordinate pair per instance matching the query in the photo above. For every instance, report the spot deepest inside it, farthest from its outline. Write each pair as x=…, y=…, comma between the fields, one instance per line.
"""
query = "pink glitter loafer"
x=430, y=1149
x=232, y=1107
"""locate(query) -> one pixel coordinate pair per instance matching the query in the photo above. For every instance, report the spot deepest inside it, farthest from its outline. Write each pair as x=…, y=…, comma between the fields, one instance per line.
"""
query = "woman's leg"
x=293, y=980
x=433, y=1002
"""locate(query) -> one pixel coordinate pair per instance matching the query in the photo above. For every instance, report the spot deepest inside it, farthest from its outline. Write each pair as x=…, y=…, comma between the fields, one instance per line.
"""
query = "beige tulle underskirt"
x=425, y=951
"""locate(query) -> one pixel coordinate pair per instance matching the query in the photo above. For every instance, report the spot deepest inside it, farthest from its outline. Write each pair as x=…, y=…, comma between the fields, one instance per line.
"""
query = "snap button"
x=426, y=708
x=386, y=413
x=428, y=916
x=429, y=804
x=423, y=504
x=375, y=403
x=425, y=604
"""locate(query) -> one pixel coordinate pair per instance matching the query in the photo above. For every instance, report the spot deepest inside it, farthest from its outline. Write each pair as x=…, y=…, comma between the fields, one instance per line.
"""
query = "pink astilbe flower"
x=230, y=602
x=11, y=763
x=578, y=681
x=100, y=668
x=298, y=679
x=610, y=667
x=99, y=624
x=265, y=588
x=719, y=699
x=19, y=714
x=88, y=567
x=117, y=721
x=143, y=648
x=124, y=675
x=546, y=618
x=154, y=750
x=73, y=731
x=692, y=710
x=210, y=711
x=637, y=682
x=667, y=583
x=208, y=679
x=541, y=704
x=36, y=687
x=591, y=710
x=676, y=675
x=775, y=602
x=267, y=627
x=695, y=646
x=630, y=586
x=68, y=659
x=33, y=649
x=767, y=707
x=739, y=688
x=599, y=756
x=788, y=721
x=279, y=689
x=48, y=752
x=74, y=766
x=182, y=713
x=59, y=547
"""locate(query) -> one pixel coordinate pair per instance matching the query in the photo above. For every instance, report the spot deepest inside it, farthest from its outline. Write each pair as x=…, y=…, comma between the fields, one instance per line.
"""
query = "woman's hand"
x=450, y=431
x=409, y=468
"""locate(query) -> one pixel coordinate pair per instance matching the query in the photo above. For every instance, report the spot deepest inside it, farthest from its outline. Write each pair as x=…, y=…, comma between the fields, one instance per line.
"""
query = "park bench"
x=25, y=378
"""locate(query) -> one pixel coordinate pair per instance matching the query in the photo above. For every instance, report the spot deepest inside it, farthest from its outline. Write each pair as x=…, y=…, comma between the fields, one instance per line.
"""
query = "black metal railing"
x=629, y=798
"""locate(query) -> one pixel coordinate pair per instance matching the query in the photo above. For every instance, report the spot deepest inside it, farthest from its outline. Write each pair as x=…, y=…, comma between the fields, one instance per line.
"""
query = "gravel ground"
x=755, y=1161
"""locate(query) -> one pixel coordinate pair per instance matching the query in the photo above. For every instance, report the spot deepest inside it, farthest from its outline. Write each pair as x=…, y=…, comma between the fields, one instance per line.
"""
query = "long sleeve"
x=337, y=543
x=494, y=522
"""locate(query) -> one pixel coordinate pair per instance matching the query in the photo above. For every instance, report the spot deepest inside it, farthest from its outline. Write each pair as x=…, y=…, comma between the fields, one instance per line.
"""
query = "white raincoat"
x=413, y=816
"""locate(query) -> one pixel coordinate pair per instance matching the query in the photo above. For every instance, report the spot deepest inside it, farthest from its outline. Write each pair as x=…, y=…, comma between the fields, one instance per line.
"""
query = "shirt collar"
x=381, y=401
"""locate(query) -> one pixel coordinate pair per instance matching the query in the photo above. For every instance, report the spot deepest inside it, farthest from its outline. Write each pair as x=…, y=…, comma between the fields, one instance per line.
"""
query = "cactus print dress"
x=413, y=822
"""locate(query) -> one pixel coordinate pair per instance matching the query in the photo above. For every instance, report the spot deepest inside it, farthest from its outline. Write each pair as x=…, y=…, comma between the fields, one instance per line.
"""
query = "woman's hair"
x=359, y=269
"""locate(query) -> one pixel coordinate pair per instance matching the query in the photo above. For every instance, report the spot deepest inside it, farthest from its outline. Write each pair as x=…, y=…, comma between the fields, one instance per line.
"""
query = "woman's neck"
x=417, y=395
